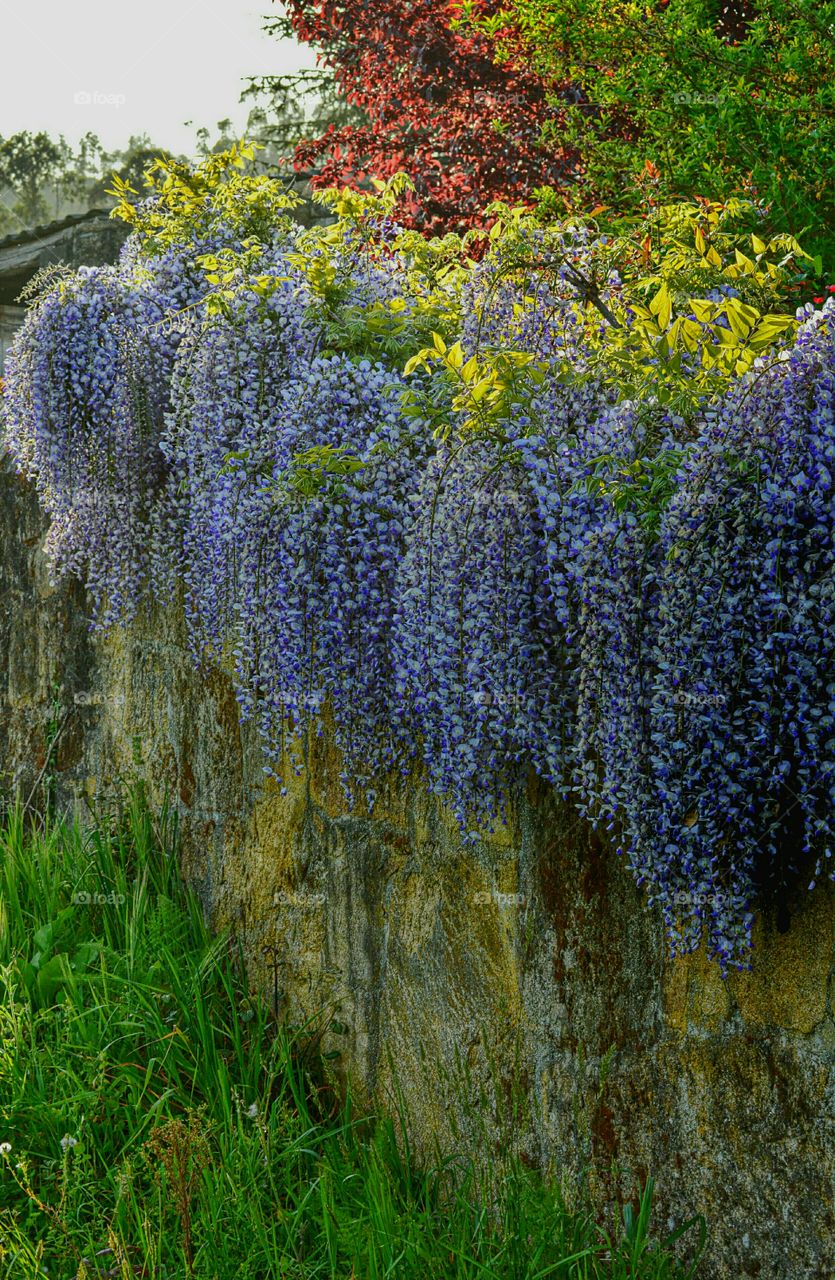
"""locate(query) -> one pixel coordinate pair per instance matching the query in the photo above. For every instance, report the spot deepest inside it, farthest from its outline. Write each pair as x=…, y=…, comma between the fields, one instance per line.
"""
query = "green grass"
x=160, y=1122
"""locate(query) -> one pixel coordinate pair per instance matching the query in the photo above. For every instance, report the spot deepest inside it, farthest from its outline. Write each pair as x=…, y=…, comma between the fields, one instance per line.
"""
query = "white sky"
x=116, y=69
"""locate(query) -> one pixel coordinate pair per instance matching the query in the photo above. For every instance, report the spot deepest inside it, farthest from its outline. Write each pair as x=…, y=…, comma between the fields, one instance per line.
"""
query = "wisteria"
x=316, y=574
x=87, y=387
x=454, y=565
x=743, y=678
x=219, y=437
x=476, y=645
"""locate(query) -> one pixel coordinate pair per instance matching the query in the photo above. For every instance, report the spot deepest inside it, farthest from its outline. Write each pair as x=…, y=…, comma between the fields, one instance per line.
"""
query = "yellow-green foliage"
x=184, y=204
x=657, y=332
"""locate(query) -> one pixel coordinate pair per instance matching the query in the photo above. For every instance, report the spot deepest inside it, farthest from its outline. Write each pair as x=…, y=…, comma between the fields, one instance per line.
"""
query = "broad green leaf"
x=455, y=356
x=740, y=324
x=702, y=310
x=662, y=306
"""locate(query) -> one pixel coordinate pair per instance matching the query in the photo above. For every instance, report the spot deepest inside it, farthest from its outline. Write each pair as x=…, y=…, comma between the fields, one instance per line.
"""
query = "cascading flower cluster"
x=742, y=700
x=476, y=647
x=87, y=389
x=226, y=403
x=316, y=572
x=481, y=555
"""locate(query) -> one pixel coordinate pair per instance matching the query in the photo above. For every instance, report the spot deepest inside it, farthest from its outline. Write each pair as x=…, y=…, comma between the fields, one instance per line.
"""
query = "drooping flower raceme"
x=742, y=702
x=637, y=607
x=316, y=570
x=87, y=387
x=476, y=647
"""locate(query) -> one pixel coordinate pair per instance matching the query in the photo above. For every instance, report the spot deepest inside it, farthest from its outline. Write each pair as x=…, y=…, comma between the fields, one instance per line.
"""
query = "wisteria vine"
x=489, y=601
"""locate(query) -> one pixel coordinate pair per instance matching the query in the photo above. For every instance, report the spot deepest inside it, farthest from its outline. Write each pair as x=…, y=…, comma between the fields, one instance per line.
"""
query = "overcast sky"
x=116, y=69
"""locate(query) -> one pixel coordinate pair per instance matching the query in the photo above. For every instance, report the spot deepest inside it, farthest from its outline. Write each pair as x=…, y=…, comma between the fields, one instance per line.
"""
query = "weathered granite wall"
x=526, y=973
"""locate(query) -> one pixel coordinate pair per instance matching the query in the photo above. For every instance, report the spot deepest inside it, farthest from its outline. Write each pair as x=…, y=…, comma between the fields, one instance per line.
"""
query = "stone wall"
x=517, y=993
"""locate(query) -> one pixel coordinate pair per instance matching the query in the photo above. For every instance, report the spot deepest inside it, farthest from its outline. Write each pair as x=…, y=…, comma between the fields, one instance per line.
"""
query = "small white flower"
x=67, y=1142
x=5, y=1148
x=252, y=1111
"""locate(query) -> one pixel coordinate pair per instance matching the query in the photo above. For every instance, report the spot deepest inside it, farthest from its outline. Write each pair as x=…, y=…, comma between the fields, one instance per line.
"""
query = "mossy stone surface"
x=517, y=993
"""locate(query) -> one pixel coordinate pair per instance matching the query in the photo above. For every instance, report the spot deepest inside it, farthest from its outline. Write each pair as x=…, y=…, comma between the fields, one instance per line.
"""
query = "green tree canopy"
x=720, y=96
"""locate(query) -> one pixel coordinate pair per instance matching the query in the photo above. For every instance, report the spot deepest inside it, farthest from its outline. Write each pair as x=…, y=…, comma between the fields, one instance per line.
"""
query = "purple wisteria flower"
x=487, y=601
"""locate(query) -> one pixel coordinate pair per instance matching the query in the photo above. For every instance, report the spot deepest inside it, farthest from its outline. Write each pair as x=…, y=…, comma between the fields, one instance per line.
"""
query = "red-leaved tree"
x=438, y=106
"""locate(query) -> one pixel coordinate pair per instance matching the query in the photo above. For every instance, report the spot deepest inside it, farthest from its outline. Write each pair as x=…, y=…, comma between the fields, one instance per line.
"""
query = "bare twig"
x=49, y=754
